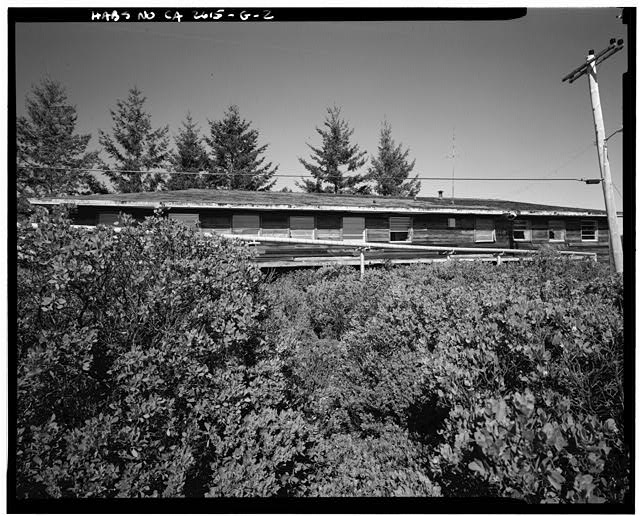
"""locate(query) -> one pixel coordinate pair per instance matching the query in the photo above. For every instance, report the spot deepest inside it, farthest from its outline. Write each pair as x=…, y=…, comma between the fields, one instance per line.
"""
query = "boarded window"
x=275, y=221
x=451, y=222
x=399, y=229
x=246, y=224
x=557, y=231
x=589, y=230
x=302, y=226
x=377, y=228
x=215, y=221
x=484, y=231
x=275, y=224
x=301, y=222
x=328, y=227
x=353, y=228
x=328, y=221
x=190, y=219
x=522, y=230
x=108, y=218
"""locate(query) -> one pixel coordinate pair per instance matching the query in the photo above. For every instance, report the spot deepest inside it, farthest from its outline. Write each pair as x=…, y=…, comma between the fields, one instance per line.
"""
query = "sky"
x=493, y=87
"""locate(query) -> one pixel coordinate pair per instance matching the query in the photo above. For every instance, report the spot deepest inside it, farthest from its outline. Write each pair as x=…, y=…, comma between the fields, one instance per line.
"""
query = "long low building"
x=420, y=221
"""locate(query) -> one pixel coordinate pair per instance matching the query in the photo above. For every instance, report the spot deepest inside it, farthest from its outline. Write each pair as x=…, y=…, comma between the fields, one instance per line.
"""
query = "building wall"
x=434, y=230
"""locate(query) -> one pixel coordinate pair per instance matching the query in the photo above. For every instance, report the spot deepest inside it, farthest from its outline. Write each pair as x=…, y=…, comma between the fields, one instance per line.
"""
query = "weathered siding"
x=436, y=230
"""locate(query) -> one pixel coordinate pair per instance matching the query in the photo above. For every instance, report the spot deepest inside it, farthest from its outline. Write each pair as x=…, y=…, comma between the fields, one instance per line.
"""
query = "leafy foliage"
x=336, y=157
x=51, y=155
x=508, y=380
x=135, y=146
x=235, y=153
x=156, y=362
x=391, y=168
x=190, y=156
x=127, y=344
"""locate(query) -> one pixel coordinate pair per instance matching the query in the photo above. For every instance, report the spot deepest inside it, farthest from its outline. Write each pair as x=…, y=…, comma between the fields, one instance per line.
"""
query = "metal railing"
x=363, y=246
x=479, y=253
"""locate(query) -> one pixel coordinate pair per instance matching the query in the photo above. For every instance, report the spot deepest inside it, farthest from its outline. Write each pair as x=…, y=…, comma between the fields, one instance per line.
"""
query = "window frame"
x=239, y=229
x=526, y=230
x=563, y=229
x=408, y=232
x=476, y=238
x=594, y=223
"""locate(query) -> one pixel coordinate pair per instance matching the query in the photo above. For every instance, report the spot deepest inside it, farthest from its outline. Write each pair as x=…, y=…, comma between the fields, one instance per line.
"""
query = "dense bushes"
x=509, y=380
x=152, y=362
x=141, y=362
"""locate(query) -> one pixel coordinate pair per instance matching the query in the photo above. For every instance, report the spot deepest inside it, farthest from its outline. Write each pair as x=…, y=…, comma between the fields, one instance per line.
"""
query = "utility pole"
x=589, y=68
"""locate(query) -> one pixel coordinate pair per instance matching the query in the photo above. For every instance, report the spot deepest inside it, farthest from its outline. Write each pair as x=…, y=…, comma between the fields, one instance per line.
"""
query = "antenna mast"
x=452, y=157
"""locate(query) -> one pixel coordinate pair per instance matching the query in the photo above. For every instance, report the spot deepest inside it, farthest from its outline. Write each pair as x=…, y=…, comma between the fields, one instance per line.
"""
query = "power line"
x=206, y=173
x=557, y=169
x=619, y=192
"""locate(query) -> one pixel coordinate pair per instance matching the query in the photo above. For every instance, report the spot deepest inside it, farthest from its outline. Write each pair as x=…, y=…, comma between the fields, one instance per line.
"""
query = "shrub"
x=446, y=354
x=122, y=341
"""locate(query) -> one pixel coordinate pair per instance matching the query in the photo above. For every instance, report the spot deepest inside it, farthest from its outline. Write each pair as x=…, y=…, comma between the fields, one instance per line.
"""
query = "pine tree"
x=236, y=155
x=334, y=158
x=135, y=145
x=50, y=155
x=390, y=169
x=190, y=156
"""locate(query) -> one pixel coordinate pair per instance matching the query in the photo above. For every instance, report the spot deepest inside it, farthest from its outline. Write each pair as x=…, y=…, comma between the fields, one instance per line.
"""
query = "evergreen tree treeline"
x=391, y=168
x=334, y=159
x=51, y=156
x=237, y=156
x=135, y=146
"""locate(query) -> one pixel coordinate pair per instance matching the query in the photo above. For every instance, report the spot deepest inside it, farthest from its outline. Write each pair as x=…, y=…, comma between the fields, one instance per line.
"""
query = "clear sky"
x=497, y=84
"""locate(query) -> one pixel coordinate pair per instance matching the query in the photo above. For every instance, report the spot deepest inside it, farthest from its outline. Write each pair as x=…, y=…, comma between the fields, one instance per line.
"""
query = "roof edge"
x=292, y=207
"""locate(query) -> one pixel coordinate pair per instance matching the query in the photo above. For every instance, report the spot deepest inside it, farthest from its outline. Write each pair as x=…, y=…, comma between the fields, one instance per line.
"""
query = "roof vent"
x=440, y=192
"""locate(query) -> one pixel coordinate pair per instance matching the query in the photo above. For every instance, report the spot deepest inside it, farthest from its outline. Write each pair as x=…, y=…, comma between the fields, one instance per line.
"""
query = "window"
x=302, y=226
x=328, y=226
x=352, y=228
x=190, y=219
x=451, y=222
x=275, y=224
x=215, y=222
x=589, y=230
x=557, y=231
x=399, y=229
x=485, y=231
x=522, y=230
x=246, y=224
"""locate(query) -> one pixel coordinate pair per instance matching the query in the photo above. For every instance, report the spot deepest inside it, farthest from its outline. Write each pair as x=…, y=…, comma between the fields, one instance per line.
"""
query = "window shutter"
x=352, y=228
x=399, y=223
x=301, y=222
x=301, y=226
x=589, y=230
x=246, y=224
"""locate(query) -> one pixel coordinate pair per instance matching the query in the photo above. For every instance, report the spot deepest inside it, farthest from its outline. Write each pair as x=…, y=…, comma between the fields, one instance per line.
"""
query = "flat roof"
x=243, y=199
